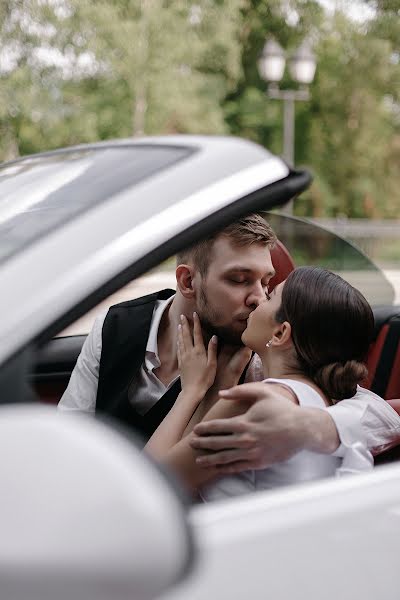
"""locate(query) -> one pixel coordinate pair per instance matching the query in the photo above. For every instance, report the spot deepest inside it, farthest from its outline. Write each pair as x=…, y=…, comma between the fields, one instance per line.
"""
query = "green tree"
x=248, y=110
x=177, y=60
x=353, y=126
x=114, y=68
x=37, y=62
x=348, y=133
x=73, y=71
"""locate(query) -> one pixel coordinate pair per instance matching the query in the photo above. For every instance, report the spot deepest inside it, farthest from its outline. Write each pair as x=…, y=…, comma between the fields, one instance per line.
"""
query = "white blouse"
x=303, y=466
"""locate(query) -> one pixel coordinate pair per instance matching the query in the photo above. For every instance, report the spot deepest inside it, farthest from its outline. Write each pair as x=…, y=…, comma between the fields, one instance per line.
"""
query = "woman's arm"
x=197, y=368
x=181, y=458
x=172, y=427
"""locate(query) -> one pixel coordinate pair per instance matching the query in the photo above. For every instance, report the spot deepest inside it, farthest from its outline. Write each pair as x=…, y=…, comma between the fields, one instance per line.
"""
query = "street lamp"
x=302, y=65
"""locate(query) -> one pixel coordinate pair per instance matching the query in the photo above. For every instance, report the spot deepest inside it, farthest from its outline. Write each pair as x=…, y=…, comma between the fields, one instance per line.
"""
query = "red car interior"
x=283, y=264
x=384, y=356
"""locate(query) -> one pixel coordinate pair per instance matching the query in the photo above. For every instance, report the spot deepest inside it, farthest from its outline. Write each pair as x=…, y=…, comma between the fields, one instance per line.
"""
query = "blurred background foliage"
x=75, y=71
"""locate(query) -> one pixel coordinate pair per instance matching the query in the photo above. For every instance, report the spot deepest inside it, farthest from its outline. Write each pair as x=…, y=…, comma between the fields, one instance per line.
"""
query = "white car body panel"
x=325, y=540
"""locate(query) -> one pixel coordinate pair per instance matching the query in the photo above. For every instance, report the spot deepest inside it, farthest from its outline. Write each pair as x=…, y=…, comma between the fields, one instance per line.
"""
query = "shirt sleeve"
x=81, y=392
x=365, y=419
x=356, y=459
x=366, y=424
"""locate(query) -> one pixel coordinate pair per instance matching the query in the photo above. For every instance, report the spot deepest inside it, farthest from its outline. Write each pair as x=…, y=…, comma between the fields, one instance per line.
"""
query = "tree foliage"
x=73, y=71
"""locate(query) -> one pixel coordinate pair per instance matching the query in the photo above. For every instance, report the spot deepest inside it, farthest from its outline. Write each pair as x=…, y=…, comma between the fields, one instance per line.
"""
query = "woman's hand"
x=231, y=364
x=197, y=365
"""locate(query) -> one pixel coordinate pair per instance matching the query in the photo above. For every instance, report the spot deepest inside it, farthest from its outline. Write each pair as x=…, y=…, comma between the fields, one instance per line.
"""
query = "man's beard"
x=208, y=319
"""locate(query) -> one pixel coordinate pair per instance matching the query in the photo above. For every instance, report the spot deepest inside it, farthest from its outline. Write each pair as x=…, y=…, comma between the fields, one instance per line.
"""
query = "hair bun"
x=339, y=380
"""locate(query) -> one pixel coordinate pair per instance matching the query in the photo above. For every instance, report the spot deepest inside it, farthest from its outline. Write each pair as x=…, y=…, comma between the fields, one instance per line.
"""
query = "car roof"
x=126, y=218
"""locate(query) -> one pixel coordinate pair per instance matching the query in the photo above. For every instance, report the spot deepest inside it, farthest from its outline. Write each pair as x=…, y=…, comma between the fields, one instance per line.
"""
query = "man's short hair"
x=252, y=229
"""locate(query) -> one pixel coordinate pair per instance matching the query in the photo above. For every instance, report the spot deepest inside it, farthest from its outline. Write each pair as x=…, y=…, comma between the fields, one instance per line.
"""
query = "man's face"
x=236, y=282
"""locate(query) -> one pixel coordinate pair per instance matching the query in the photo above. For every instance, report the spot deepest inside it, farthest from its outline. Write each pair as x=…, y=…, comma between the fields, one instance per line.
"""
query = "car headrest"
x=382, y=316
x=283, y=264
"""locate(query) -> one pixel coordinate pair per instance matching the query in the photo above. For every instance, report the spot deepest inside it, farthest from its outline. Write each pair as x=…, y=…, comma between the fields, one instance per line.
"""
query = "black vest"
x=124, y=338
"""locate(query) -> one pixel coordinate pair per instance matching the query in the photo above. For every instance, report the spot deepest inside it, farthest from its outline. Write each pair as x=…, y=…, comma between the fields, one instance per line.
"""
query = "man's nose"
x=256, y=295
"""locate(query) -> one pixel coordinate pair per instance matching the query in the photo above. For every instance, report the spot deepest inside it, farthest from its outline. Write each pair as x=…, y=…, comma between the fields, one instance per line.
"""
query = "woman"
x=312, y=335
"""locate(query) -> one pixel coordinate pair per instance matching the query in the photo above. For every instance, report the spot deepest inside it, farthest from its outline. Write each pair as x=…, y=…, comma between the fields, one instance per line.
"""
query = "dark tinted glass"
x=38, y=194
x=310, y=244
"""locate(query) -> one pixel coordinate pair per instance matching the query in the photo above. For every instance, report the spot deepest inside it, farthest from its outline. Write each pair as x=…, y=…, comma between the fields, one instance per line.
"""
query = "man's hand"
x=271, y=431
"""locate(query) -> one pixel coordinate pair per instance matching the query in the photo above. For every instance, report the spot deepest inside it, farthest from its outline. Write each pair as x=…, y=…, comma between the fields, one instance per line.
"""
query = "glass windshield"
x=310, y=244
x=38, y=194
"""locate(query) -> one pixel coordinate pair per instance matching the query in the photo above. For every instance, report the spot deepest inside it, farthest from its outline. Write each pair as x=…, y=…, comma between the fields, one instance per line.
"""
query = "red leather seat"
x=383, y=359
x=283, y=264
x=393, y=454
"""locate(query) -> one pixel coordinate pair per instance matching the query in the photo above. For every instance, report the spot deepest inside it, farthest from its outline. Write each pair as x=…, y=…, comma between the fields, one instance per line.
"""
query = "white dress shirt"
x=366, y=420
x=145, y=390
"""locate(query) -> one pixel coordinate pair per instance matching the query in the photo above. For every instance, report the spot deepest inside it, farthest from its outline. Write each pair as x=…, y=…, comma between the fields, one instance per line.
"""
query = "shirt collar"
x=152, y=360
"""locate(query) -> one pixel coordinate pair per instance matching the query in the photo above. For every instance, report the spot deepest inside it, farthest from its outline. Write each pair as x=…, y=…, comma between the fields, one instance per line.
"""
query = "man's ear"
x=184, y=280
x=282, y=334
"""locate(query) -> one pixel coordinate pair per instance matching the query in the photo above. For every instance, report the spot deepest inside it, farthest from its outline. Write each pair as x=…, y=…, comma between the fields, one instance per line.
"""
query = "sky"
x=355, y=9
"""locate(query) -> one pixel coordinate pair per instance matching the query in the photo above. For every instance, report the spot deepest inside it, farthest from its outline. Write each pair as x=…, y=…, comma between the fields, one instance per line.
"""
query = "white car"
x=82, y=512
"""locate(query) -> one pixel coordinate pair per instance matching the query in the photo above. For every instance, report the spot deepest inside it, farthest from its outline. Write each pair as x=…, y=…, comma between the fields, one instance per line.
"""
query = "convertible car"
x=82, y=510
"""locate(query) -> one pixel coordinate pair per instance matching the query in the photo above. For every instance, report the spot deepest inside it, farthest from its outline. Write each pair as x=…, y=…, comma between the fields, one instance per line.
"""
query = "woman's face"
x=261, y=322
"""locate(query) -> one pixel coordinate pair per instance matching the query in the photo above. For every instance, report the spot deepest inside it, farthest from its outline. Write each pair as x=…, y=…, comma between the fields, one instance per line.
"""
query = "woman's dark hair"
x=332, y=328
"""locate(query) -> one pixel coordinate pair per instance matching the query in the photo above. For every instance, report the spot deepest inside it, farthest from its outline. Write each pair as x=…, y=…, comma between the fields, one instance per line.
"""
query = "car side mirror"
x=83, y=513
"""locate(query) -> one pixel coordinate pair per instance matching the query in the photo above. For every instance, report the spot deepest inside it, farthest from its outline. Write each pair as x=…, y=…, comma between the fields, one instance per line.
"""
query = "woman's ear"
x=282, y=334
x=184, y=281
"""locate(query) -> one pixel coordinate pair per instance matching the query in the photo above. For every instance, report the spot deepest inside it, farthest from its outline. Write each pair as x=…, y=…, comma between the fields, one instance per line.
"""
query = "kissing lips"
x=243, y=316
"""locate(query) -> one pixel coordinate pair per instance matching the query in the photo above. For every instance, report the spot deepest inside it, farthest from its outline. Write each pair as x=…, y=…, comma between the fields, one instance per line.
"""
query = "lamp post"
x=302, y=65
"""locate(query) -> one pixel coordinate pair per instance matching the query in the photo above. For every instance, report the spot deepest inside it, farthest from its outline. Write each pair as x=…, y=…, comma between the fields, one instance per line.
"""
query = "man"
x=128, y=365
